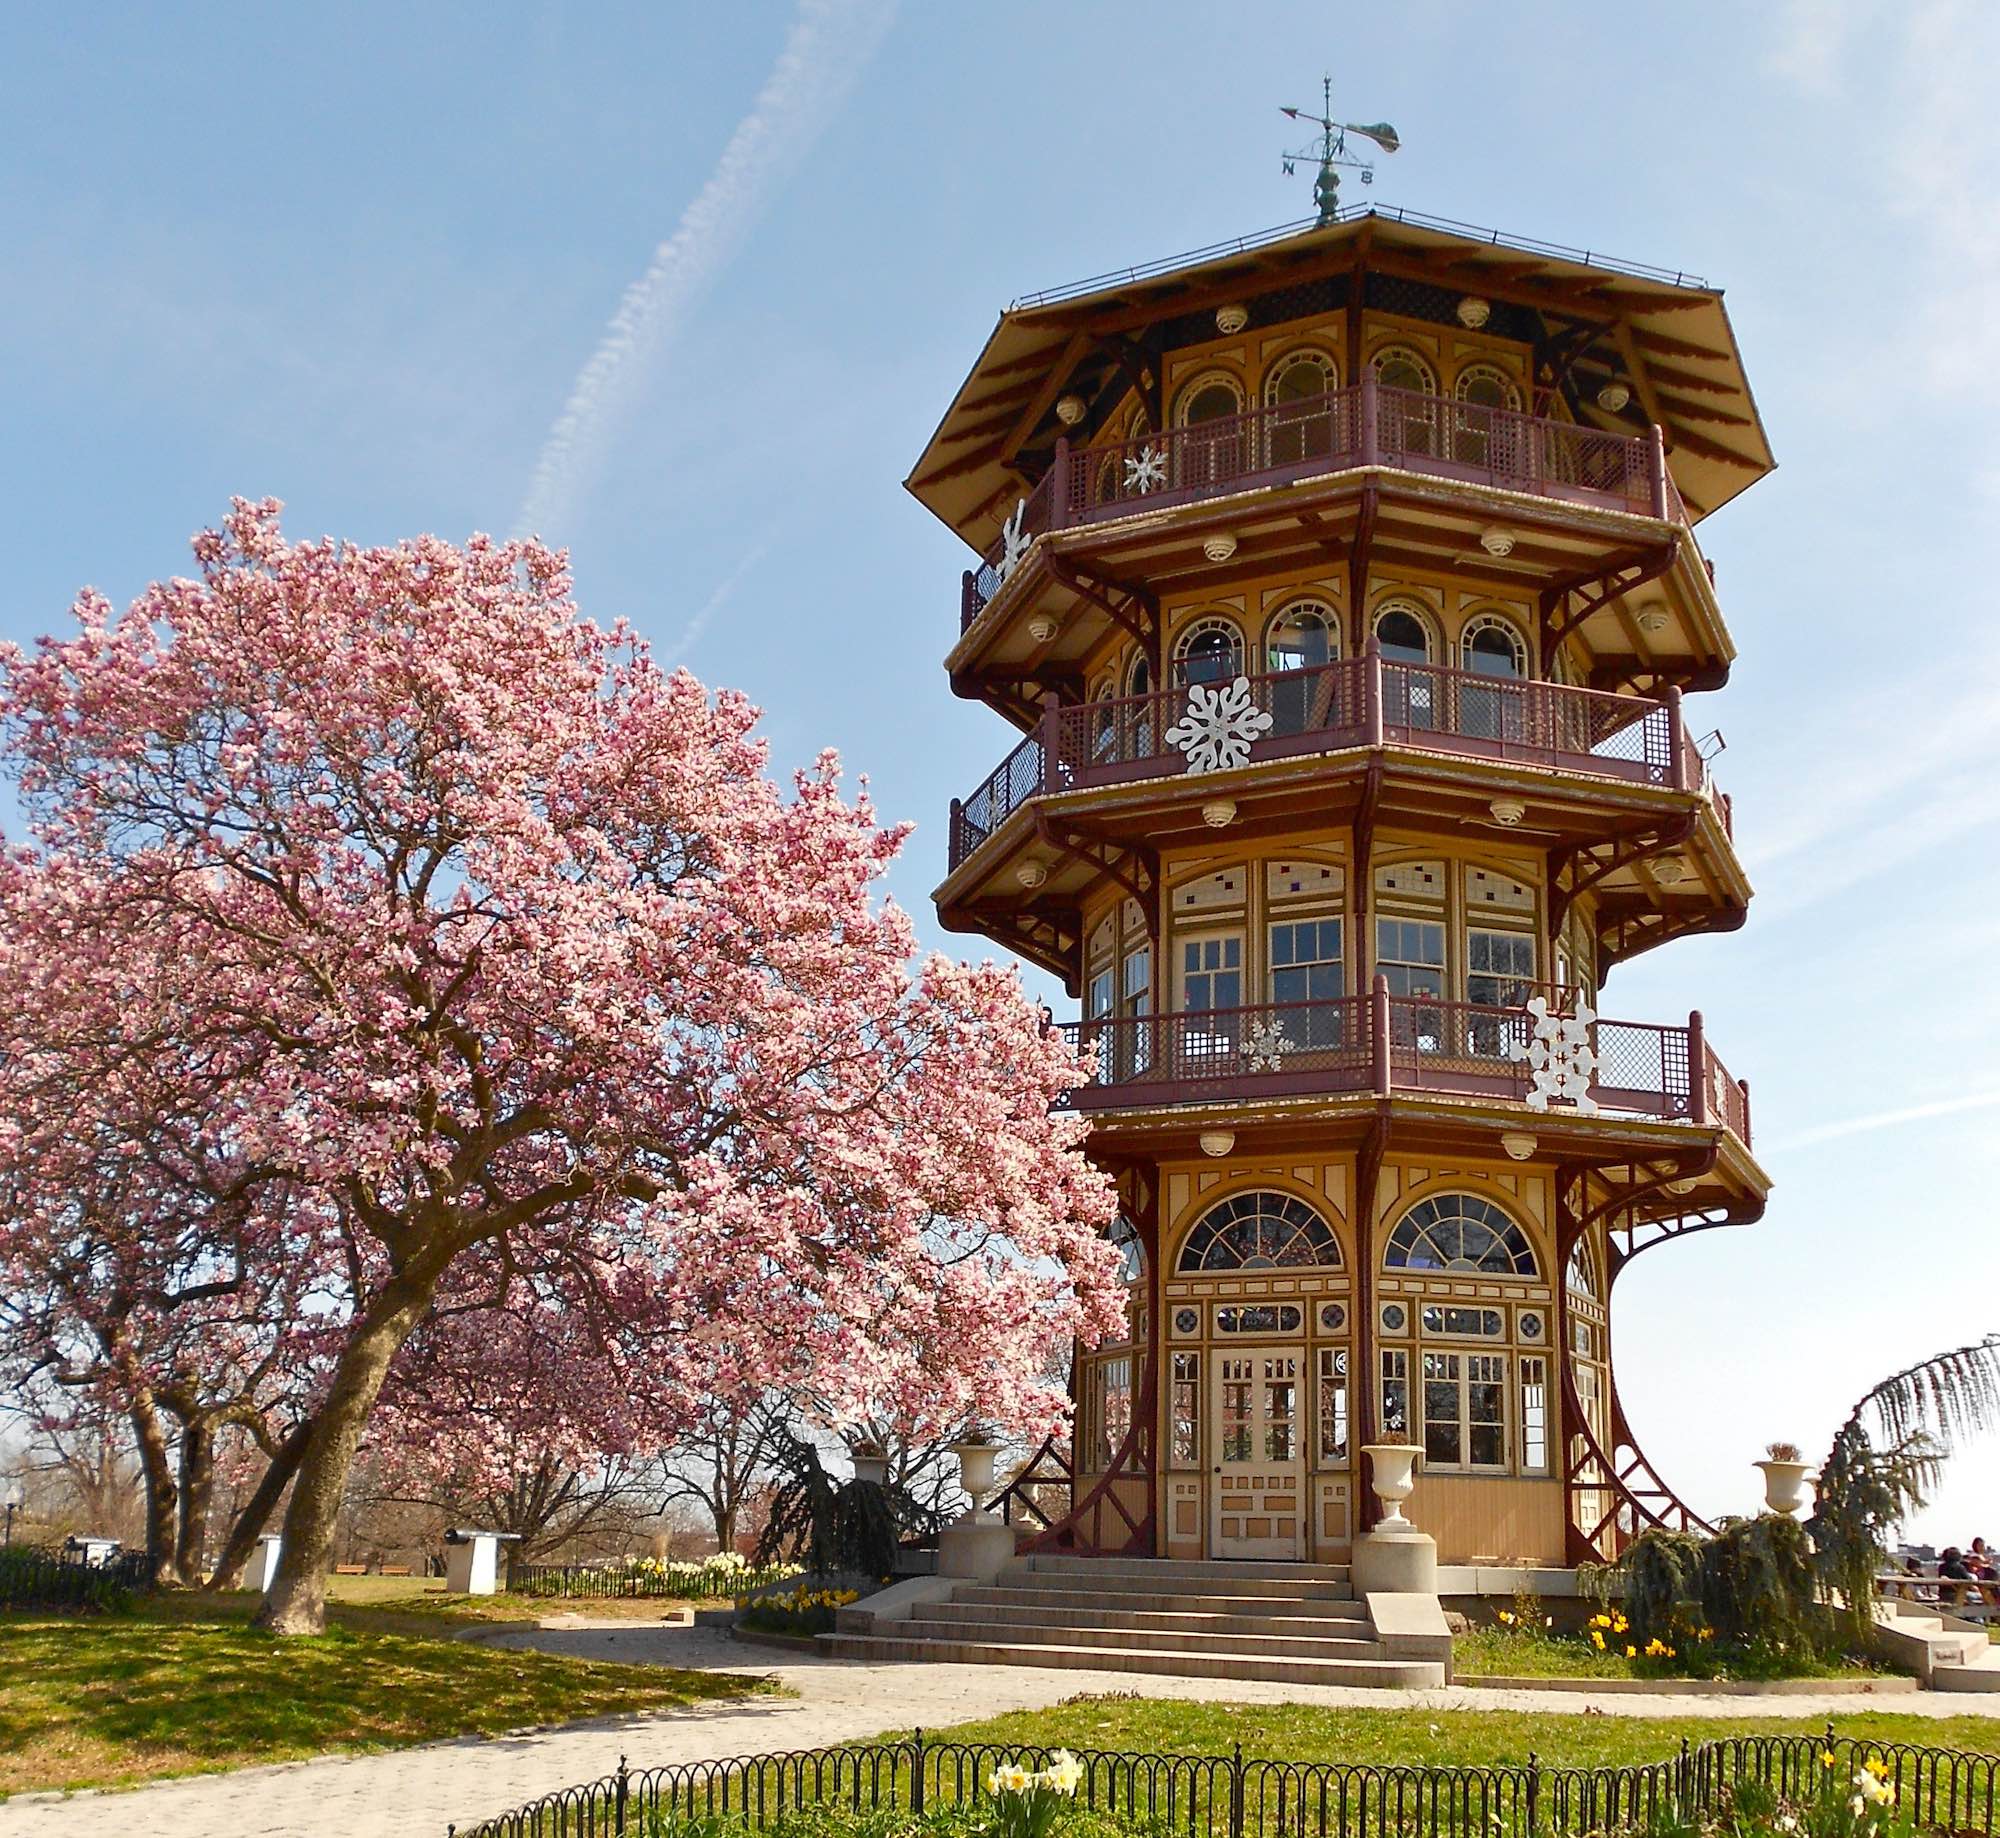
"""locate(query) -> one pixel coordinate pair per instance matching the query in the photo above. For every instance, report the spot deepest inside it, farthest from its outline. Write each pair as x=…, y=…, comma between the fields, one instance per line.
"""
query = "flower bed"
x=804, y=1610
x=724, y=1576
x=1524, y=1642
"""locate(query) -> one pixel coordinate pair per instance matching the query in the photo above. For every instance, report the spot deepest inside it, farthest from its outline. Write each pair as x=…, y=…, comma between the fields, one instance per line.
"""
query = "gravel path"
x=416, y=1793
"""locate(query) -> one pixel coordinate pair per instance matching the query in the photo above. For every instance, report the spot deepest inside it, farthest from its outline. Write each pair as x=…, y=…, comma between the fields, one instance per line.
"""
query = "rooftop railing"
x=1366, y=424
x=1356, y=702
x=1383, y=1044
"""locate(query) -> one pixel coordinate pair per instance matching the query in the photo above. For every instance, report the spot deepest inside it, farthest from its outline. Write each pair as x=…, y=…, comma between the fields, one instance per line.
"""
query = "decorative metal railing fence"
x=1358, y=702
x=42, y=1577
x=1389, y=1043
x=673, y=1582
x=1365, y=424
x=1238, y=1796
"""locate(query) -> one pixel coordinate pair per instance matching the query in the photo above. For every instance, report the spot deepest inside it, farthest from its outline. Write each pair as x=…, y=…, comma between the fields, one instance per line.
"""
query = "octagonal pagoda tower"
x=1343, y=587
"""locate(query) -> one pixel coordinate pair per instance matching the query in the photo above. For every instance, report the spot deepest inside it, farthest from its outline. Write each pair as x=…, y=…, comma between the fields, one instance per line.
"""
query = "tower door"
x=1257, y=1494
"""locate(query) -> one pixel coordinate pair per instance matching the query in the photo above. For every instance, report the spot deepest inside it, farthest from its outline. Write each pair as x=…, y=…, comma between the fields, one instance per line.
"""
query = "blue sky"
x=368, y=259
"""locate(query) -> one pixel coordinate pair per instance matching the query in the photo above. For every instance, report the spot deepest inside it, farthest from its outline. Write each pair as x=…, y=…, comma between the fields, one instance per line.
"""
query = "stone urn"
x=1787, y=1485
x=871, y=1465
x=975, y=1469
x=1391, y=1467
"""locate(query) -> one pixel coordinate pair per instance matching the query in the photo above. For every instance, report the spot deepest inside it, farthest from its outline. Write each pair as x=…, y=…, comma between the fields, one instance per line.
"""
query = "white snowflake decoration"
x=1219, y=725
x=1145, y=471
x=1014, y=541
x=1265, y=1044
x=1560, y=1059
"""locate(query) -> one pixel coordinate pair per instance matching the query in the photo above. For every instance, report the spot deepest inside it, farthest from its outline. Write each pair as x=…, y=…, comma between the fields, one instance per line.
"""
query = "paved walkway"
x=416, y=1793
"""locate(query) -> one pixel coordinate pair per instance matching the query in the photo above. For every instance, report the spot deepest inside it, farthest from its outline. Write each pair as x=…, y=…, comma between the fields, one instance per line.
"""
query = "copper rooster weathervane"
x=1331, y=151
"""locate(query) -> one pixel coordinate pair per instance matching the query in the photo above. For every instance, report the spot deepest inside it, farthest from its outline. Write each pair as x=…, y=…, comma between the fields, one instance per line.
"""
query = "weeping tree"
x=832, y=1527
x=1886, y=1457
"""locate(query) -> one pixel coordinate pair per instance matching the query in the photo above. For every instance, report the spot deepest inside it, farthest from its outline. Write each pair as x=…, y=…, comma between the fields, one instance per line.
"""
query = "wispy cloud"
x=690, y=634
x=1888, y=1120
x=826, y=48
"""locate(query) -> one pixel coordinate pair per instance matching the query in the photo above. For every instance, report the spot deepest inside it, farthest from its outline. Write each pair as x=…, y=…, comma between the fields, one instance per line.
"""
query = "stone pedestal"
x=472, y=1561
x=975, y=1548
x=1394, y=1560
x=264, y=1563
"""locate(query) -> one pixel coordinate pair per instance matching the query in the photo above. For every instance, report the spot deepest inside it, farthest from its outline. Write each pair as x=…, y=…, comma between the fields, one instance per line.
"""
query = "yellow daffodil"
x=1631, y=1652
x=1876, y=1766
x=1064, y=1773
x=1597, y=1639
x=1827, y=1759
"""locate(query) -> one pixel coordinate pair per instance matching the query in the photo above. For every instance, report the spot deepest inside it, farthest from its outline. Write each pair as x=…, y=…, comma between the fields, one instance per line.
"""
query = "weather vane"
x=1331, y=151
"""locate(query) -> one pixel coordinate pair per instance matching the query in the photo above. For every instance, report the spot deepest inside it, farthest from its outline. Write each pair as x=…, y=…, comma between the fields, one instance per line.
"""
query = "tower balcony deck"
x=1365, y=424
x=1353, y=703
x=1382, y=1046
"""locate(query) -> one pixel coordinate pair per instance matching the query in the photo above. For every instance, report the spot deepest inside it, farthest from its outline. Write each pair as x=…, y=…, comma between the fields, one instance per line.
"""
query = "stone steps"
x=1219, y=1635
x=1291, y=1623
x=1185, y=1662
x=998, y=1607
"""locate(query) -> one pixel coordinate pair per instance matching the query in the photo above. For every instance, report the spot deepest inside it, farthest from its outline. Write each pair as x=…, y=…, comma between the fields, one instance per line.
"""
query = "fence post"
x=1697, y=1068
x=1059, y=485
x=1534, y=1794
x=968, y=601
x=1236, y=1793
x=1378, y=1032
x=1050, y=735
x=1656, y=469
x=1371, y=689
x=917, y=1773
x=1371, y=433
x=1679, y=774
x=623, y=1796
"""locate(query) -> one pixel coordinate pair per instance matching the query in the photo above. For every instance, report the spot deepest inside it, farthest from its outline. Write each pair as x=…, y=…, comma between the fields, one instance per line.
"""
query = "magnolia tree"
x=498, y=953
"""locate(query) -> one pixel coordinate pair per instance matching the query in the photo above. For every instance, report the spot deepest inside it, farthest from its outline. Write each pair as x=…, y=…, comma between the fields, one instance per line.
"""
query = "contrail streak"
x=1889, y=1119
x=692, y=631
x=826, y=48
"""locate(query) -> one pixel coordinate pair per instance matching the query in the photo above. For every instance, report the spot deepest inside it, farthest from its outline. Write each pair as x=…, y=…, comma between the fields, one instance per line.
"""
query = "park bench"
x=395, y=1570
x=350, y=1569
x=1972, y=1601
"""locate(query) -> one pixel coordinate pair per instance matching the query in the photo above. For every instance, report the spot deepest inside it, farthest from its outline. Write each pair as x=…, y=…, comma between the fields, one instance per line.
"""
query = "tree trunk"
x=197, y=1485
x=257, y=1510
x=296, y=1601
x=725, y=1525
x=162, y=1497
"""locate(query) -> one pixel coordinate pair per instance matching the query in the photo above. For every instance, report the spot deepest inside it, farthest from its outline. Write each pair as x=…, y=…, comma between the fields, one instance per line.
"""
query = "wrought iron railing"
x=1237, y=1796
x=1360, y=701
x=1388, y=1043
x=1366, y=424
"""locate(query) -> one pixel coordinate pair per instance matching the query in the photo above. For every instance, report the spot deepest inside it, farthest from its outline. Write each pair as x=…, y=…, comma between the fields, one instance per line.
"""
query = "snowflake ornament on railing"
x=1014, y=541
x=1561, y=1061
x=1219, y=725
x=1145, y=471
x=1265, y=1045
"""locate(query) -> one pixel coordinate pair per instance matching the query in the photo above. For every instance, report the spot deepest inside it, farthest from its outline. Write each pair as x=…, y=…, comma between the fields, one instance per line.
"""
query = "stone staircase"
x=1298, y=1623
x=1945, y=1652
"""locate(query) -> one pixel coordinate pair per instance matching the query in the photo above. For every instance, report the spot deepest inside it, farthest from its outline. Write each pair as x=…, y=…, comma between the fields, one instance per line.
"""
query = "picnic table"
x=1966, y=1596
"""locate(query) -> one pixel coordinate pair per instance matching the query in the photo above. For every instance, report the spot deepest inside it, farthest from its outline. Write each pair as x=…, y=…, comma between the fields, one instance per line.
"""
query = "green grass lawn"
x=1298, y=1732
x=184, y=1685
x=1491, y=1652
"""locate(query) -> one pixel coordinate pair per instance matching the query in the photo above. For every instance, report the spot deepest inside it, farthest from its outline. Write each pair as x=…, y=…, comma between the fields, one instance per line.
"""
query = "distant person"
x=1953, y=1569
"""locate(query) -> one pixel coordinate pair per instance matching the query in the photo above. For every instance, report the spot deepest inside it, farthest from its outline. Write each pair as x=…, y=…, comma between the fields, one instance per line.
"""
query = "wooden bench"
x=395, y=1570
x=350, y=1569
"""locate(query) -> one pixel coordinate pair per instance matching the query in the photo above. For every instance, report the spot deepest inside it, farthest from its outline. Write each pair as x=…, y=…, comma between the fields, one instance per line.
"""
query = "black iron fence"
x=672, y=1582
x=41, y=1577
x=1234, y=1796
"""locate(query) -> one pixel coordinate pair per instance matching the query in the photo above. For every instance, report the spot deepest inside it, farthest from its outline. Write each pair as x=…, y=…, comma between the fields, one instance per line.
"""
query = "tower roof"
x=1664, y=334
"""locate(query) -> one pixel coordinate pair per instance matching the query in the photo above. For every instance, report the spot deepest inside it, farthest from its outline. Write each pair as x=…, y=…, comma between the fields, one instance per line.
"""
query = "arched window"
x=1459, y=1231
x=1407, y=416
x=1300, y=416
x=1582, y=1273
x=1139, y=720
x=1260, y=1231
x=1209, y=651
x=1103, y=725
x=1483, y=434
x=1124, y=1236
x=1409, y=686
x=1491, y=646
x=1302, y=637
x=1209, y=448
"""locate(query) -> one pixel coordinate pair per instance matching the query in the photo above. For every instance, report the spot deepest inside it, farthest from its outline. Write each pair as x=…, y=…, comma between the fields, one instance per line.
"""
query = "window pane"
x=1534, y=1417
x=1332, y=1404
x=1186, y=1408
x=1395, y=1393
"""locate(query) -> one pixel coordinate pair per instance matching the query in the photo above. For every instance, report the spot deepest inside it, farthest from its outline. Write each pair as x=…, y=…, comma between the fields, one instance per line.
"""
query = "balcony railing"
x=1366, y=424
x=1358, y=702
x=1384, y=1044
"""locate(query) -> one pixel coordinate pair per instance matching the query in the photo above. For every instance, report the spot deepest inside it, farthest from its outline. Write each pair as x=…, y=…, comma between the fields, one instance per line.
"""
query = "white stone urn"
x=1391, y=1466
x=872, y=1466
x=975, y=1470
x=1787, y=1485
